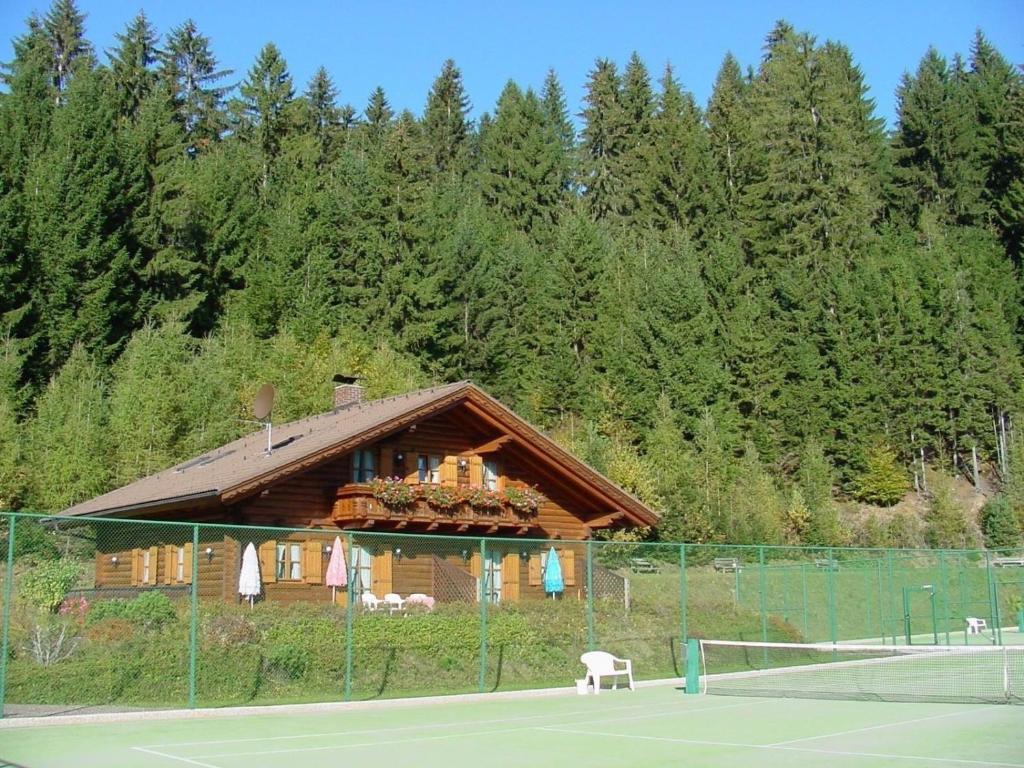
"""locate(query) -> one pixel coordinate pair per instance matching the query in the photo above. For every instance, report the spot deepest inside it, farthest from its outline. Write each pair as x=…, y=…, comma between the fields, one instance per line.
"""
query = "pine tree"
x=67, y=443
x=131, y=64
x=729, y=130
x=1000, y=524
x=604, y=139
x=445, y=127
x=189, y=69
x=263, y=110
x=379, y=115
x=65, y=28
x=883, y=481
x=323, y=118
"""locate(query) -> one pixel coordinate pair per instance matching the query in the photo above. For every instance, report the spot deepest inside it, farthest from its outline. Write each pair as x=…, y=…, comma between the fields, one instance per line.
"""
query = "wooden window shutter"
x=450, y=471
x=474, y=564
x=536, y=568
x=187, y=570
x=136, y=567
x=380, y=573
x=510, y=577
x=268, y=562
x=170, y=563
x=312, y=562
x=476, y=471
x=568, y=564
x=154, y=562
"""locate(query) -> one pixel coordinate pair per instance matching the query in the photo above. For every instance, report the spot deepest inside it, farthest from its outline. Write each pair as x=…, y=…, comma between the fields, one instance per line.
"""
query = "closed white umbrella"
x=249, y=584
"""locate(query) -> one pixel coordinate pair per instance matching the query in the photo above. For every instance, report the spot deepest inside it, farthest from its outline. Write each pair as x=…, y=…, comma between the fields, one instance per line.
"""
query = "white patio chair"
x=394, y=603
x=369, y=601
x=975, y=626
x=602, y=664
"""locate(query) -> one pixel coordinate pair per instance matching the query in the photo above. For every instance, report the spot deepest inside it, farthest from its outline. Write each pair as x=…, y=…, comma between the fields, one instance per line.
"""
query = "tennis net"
x=983, y=674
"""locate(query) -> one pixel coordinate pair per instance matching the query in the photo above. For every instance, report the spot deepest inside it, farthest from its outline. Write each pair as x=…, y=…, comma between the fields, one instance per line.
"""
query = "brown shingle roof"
x=242, y=466
x=245, y=460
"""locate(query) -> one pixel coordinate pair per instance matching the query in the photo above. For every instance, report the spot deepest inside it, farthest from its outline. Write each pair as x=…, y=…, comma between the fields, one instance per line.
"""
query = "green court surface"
x=657, y=726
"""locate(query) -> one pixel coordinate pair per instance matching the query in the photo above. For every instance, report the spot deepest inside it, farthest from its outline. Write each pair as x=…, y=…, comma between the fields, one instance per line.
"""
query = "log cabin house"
x=461, y=466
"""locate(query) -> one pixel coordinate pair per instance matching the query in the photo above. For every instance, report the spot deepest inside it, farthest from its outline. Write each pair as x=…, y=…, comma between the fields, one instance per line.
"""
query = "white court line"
x=873, y=727
x=392, y=730
x=671, y=712
x=188, y=760
x=701, y=742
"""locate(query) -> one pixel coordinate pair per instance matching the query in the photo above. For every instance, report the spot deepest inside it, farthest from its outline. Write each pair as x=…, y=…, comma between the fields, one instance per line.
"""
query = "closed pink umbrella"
x=337, y=571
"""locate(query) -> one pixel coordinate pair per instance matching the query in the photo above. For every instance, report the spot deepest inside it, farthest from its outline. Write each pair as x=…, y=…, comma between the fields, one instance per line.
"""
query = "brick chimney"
x=346, y=391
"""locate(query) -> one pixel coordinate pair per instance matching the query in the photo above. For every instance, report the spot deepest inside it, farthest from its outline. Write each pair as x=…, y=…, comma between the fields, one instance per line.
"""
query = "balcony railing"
x=356, y=506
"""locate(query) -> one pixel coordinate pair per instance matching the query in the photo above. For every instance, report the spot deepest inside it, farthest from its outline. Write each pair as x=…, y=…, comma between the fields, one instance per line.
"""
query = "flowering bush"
x=443, y=497
x=482, y=499
x=392, y=492
x=524, y=499
x=74, y=608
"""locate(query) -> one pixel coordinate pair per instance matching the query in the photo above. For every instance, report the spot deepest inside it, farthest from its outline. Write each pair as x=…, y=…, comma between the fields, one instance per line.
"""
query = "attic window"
x=202, y=461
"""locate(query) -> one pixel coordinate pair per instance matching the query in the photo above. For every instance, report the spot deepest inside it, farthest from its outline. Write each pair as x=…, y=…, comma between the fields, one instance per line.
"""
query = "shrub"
x=292, y=660
x=1000, y=524
x=47, y=584
x=883, y=481
x=51, y=640
x=150, y=610
x=110, y=631
x=231, y=631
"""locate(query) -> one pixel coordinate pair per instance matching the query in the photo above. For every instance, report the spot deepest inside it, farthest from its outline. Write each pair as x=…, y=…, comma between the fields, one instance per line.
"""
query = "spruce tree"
x=728, y=120
x=263, y=110
x=189, y=70
x=604, y=139
x=65, y=28
x=322, y=117
x=445, y=125
x=131, y=64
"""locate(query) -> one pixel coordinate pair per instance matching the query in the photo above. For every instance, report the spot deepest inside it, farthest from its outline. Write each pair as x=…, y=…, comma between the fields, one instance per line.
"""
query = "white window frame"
x=490, y=475
x=288, y=561
x=145, y=565
x=179, y=573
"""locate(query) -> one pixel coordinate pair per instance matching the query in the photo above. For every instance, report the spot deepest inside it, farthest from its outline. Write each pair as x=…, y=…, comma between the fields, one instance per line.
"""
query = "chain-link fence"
x=145, y=614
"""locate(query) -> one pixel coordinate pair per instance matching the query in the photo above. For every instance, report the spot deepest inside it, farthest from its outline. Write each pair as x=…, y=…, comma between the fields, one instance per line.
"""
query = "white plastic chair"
x=394, y=603
x=369, y=601
x=602, y=664
x=975, y=626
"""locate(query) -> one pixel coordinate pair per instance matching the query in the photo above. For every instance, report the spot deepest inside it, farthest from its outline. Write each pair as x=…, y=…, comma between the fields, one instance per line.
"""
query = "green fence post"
x=803, y=587
x=993, y=610
x=830, y=580
x=591, y=642
x=945, y=593
x=194, y=628
x=692, y=666
x=881, y=602
x=350, y=587
x=682, y=593
x=483, y=614
x=8, y=586
x=763, y=589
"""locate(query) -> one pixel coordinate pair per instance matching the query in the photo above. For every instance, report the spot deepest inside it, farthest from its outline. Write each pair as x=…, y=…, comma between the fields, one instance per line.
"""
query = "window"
x=179, y=572
x=490, y=477
x=362, y=566
x=146, y=560
x=492, y=577
x=289, y=562
x=429, y=469
x=363, y=467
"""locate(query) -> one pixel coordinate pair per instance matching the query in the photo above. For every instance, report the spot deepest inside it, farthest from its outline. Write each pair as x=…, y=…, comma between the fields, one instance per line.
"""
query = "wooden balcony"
x=355, y=507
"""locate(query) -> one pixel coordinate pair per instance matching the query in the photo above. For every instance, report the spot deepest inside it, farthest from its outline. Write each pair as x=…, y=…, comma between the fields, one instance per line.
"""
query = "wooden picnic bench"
x=826, y=564
x=1008, y=562
x=641, y=565
x=728, y=564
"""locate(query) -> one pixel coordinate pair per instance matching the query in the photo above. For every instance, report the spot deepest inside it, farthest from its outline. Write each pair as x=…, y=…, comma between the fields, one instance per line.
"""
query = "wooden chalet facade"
x=463, y=465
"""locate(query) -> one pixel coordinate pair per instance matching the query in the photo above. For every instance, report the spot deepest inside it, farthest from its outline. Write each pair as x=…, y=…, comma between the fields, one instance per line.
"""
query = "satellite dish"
x=264, y=402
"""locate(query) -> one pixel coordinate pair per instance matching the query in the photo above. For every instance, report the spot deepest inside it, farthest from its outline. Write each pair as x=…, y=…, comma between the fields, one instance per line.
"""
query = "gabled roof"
x=243, y=467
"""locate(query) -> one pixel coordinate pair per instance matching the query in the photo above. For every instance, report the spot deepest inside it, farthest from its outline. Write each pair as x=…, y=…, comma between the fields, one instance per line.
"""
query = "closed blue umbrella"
x=553, y=574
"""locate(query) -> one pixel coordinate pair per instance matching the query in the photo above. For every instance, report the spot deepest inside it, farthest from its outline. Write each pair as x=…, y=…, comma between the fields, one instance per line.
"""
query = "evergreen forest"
x=751, y=313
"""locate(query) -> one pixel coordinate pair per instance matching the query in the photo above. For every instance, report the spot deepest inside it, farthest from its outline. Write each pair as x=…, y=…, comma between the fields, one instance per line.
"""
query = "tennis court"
x=653, y=726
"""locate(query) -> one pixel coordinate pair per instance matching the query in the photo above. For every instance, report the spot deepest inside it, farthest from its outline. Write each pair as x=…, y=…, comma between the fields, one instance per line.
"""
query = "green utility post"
x=351, y=594
x=8, y=584
x=483, y=614
x=591, y=642
x=194, y=627
x=692, y=666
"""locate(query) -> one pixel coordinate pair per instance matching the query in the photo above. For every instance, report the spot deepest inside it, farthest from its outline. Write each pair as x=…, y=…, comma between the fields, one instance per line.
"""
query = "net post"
x=350, y=591
x=483, y=614
x=194, y=620
x=682, y=592
x=692, y=666
x=8, y=585
x=591, y=643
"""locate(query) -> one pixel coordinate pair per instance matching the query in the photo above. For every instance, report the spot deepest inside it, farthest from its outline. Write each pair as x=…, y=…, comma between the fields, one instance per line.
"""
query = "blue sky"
x=402, y=45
